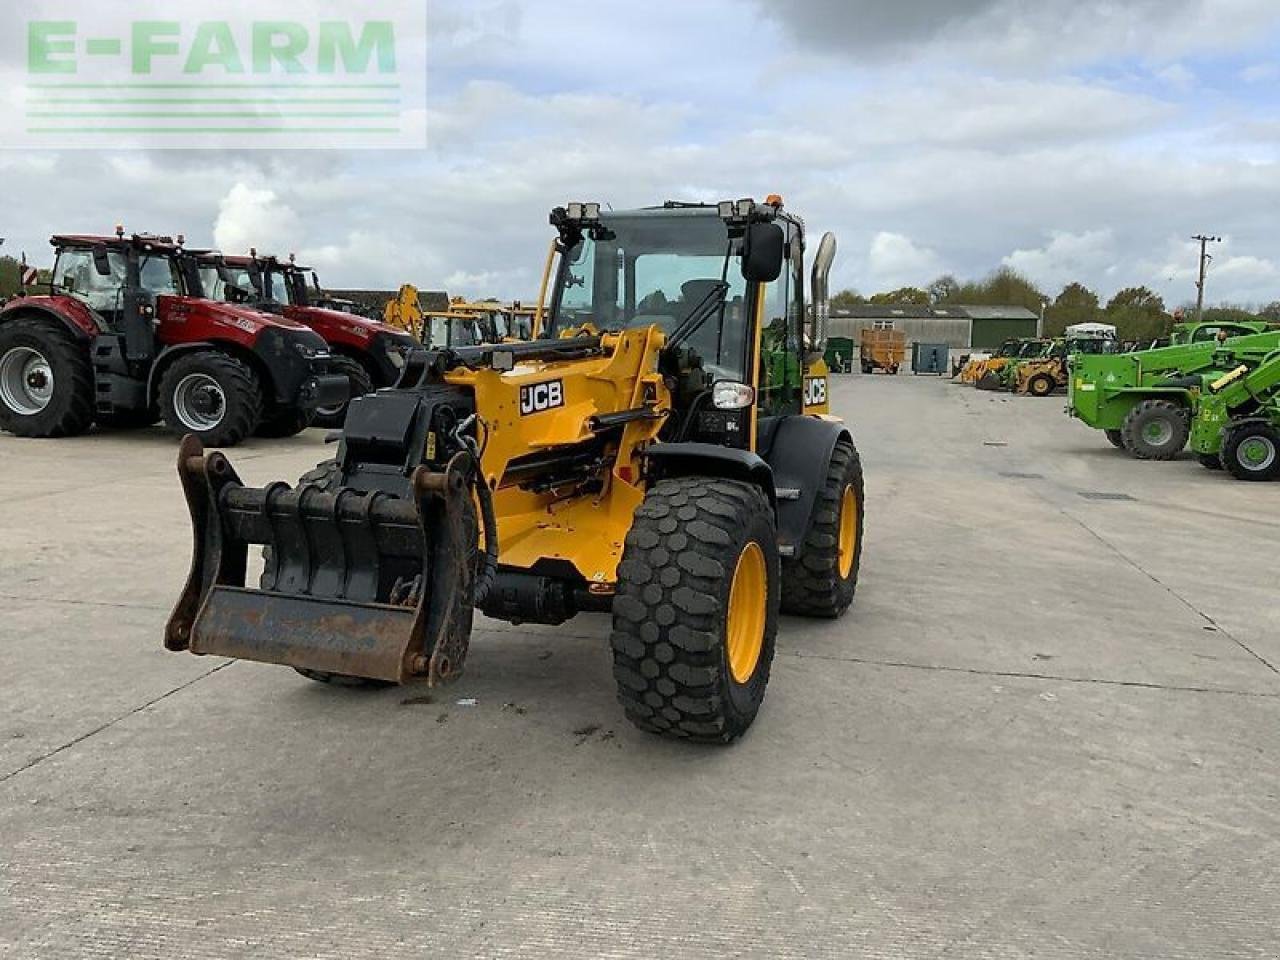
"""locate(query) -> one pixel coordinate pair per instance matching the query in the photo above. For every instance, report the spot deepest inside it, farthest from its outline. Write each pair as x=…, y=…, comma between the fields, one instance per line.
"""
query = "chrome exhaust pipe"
x=820, y=291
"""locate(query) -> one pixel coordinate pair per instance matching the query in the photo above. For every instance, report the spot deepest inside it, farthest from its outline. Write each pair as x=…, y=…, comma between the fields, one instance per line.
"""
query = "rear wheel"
x=822, y=579
x=213, y=396
x=1156, y=430
x=1251, y=451
x=361, y=383
x=1116, y=439
x=1042, y=385
x=46, y=381
x=695, y=616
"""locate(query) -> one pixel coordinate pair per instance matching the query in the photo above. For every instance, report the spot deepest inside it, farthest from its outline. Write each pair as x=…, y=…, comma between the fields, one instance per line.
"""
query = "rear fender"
x=82, y=328
x=799, y=459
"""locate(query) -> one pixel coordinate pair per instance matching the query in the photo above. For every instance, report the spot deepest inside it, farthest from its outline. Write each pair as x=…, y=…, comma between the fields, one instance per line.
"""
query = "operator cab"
x=95, y=271
x=735, y=345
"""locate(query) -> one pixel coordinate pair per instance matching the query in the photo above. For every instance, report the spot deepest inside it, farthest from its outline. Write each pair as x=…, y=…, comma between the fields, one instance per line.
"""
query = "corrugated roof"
x=998, y=313
x=879, y=311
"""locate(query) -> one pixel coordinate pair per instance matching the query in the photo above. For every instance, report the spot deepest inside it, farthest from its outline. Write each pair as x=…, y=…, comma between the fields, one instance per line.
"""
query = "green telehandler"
x=1143, y=400
x=1237, y=418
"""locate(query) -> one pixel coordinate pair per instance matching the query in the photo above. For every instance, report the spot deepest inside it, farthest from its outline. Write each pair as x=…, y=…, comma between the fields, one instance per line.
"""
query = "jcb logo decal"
x=538, y=397
x=815, y=391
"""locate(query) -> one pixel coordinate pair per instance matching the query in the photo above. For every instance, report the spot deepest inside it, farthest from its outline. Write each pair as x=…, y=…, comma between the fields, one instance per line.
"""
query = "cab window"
x=780, y=348
x=76, y=275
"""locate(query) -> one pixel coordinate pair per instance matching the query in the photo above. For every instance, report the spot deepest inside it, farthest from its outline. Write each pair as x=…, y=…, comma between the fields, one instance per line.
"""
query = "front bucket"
x=365, y=585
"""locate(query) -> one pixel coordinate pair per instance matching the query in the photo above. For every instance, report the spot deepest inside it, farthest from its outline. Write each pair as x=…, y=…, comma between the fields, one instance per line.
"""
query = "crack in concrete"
x=36, y=761
x=19, y=598
x=1019, y=675
x=1169, y=590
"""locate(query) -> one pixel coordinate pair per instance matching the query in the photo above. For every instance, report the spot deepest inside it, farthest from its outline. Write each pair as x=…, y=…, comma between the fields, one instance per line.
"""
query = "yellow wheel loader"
x=663, y=453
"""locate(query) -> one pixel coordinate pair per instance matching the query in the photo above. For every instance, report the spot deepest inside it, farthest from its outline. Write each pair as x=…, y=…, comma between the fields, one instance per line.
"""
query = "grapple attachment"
x=361, y=584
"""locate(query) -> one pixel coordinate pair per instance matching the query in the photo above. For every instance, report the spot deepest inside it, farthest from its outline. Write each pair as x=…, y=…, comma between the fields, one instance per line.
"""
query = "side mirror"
x=101, y=260
x=764, y=250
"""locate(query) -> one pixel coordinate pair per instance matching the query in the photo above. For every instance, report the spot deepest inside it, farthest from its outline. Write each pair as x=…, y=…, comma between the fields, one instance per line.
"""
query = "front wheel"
x=1251, y=451
x=696, y=612
x=1042, y=385
x=1116, y=439
x=211, y=395
x=288, y=422
x=358, y=379
x=1156, y=430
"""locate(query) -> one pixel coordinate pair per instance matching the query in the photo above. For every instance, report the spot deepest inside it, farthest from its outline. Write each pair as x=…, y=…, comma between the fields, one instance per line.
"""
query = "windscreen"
x=657, y=269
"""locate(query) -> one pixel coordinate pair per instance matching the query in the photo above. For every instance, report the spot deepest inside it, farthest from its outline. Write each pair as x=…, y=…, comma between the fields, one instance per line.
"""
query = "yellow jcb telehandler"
x=664, y=453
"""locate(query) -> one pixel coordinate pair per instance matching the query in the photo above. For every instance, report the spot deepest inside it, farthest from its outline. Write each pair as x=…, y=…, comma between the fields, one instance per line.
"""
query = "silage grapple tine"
x=202, y=479
x=321, y=607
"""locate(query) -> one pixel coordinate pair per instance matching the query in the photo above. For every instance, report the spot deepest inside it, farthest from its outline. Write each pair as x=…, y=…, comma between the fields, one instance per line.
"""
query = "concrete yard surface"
x=1049, y=727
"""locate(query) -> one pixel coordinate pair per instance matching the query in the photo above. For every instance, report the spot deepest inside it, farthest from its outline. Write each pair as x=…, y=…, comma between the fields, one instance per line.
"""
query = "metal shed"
x=921, y=324
x=991, y=326
x=960, y=327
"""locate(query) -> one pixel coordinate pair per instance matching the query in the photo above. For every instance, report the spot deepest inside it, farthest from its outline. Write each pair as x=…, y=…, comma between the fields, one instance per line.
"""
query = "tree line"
x=1138, y=313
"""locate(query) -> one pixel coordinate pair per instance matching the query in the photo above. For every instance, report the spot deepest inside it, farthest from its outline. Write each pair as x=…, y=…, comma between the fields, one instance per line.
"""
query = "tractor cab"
x=123, y=280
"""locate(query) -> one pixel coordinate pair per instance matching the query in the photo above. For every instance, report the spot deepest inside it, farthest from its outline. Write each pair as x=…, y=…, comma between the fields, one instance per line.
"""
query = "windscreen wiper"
x=705, y=309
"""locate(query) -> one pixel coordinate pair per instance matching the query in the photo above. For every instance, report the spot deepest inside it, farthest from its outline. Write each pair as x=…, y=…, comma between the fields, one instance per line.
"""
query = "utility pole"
x=1205, y=258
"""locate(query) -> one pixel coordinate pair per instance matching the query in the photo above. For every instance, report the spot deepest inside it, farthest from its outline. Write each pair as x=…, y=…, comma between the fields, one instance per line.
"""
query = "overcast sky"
x=1072, y=139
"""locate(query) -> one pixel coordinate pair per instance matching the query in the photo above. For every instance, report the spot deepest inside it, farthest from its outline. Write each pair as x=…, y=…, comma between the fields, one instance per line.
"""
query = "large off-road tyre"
x=696, y=612
x=1042, y=385
x=46, y=380
x=332, y=418
x=820, y=581
x=1116, y=439
x=1251, y=451
x=287, y=422
x=1210, y=461
x=1156, y=430
x=990, y=381
x=211, y=395
x=128, y=419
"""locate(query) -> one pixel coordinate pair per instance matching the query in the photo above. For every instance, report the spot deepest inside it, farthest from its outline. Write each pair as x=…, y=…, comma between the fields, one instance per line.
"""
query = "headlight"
x=731, y=395
x=311, y=352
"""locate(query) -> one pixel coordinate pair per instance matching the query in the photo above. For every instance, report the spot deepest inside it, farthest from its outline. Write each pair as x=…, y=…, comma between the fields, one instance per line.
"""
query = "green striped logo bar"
x=306, y=74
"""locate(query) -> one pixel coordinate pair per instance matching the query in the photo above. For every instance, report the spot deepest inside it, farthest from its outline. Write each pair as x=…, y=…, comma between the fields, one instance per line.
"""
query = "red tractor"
x=369, y=353
x=126, y=336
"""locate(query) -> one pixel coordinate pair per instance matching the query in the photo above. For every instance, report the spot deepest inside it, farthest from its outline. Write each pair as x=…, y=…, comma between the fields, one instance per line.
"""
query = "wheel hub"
x=26, y=381
x=1158, y=433
x=199, y=403
x=748, y=606
x=1257, y=453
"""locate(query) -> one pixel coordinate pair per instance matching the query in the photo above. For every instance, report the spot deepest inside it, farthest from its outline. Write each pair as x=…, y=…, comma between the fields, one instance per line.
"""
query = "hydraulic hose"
x=488, y=573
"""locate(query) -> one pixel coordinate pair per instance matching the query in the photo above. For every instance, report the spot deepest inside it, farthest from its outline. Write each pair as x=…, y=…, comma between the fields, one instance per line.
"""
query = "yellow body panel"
x=583, y=528
x=817, y=380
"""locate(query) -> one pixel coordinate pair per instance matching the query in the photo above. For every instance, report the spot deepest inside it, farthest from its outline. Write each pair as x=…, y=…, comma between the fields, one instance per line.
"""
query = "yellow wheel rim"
x=848, y=545
x=744, y=626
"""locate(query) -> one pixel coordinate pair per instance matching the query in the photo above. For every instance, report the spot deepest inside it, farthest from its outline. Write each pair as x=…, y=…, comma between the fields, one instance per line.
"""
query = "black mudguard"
x=799, y=458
